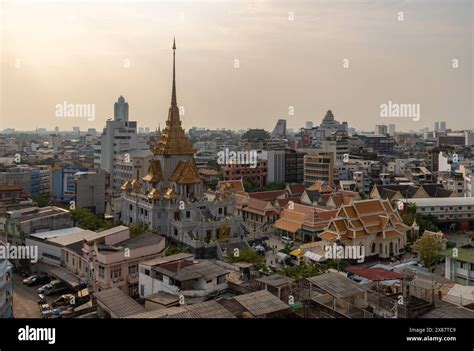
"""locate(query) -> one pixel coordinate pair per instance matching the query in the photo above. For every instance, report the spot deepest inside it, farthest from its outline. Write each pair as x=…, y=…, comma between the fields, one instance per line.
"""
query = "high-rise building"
x=319, y=167
x=436, y=127
x=294, y=166
x=391, y=130
x=308, y=125
x=118, y=138
x=275, y=165
x=381, y=129
x=442, y=126
x=280, y=129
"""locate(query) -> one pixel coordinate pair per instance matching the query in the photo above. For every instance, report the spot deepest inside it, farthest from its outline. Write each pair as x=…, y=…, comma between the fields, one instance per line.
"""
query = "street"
x=25, y=299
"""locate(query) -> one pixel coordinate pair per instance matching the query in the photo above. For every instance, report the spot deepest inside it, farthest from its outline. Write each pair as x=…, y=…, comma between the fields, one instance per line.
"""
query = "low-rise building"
x=459, y=265
x=180, y=275
x=371, y=224
x=19, y=224
x=446, y=209
x=6, y=289
x=111, y=258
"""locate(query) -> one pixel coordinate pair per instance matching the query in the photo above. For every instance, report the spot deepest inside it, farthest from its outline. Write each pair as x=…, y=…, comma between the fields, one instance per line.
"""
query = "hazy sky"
x=290, y=54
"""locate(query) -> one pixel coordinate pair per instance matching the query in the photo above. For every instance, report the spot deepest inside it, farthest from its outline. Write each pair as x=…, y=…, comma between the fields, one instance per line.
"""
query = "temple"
x=170, y=198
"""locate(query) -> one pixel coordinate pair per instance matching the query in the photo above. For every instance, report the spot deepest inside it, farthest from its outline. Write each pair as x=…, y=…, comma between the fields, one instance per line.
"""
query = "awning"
x=67, y=277
x=314, y=257
x=297, y=253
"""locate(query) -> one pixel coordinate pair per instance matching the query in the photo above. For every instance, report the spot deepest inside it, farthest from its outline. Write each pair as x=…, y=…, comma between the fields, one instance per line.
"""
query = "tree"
x=428, y=248
x=138, y=229
x=173, y=250
x=425, y=222
x=302, y=271
x=246, y=255
x=85, y=219
x=41, y=200
x=249, y=186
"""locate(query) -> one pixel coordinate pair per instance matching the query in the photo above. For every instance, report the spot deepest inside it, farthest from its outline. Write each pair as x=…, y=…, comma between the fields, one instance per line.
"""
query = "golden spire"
x=173, y=141
x=173, y=92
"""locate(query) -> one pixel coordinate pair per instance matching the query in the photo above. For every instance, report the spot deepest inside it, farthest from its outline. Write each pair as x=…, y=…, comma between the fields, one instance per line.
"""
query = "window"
x=188, y=214
x=115, y=272
x=221, y=280
x=101, y=271
x=142, y=289
x=130, y=207
x=133, y=290
x=133, y=268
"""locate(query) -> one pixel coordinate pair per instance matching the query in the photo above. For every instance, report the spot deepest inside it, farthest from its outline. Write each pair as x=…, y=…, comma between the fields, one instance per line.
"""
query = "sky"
x=239, y=64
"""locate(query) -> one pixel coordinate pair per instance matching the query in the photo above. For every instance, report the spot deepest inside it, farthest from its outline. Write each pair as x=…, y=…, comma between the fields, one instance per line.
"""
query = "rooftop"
x=275, y=280
x=118, y=303
x=441, y=201
x=142, y=240
x=464, y=254
x=261, y=303
x=208, y=309
x=64, y=237
x=336, y=285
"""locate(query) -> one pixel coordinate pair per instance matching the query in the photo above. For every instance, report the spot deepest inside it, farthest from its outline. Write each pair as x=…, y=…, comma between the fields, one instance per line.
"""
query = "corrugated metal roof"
x=119, y=303
x=261, y=303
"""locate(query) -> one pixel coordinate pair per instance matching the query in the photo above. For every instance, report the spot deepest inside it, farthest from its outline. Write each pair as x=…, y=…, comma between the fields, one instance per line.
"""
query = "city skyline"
x=287, y=67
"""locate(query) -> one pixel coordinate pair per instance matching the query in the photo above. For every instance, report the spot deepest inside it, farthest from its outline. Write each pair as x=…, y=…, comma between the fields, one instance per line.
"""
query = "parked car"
x=36, y=280
x=42, y=299
x=286, y=240
x=53, y=287
x=45, y=310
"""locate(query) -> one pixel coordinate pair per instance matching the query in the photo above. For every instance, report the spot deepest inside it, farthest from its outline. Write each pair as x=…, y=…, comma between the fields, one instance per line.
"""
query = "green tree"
x=138, y=229
x=249, y=186
x=302, y=271
x=41, y=200
x=173, y=250
x=246, y=255
x=275, y=186
x=428, y=248
x=85, y=219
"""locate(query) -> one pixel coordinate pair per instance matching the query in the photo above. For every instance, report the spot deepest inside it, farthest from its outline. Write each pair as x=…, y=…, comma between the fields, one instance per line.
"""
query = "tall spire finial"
x=173, y=94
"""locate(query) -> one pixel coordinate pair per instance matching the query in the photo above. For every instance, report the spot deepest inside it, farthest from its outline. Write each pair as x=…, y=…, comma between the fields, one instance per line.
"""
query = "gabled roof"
x=154, y=174
x=118, y=303
x=366, y=217
x=410, y=191
x=267, y=195
x=232, y=185
x=186, y=173
x=296, y=189
x=261, y=303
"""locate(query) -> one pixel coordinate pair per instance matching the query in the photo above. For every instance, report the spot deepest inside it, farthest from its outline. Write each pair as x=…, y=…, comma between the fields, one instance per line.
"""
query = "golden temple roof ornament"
x=173, y=140
x=154, y=174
